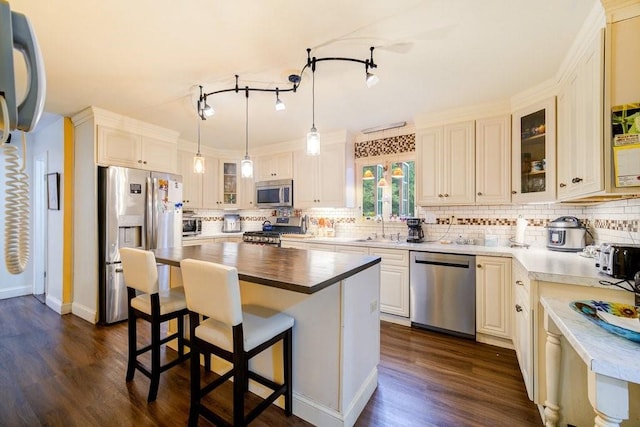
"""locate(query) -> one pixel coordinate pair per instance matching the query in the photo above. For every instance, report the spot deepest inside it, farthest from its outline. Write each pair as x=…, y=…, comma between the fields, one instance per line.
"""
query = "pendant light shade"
x=246, y=165
x=313, y=142
x=368, y=174
x=397, y=172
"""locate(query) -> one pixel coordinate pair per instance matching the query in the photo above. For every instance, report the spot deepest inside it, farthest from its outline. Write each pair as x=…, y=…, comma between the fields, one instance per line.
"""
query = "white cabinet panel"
x=276, y=166
x=493, y=160
x=493, y=296
x=394, y=280
x=445, y=170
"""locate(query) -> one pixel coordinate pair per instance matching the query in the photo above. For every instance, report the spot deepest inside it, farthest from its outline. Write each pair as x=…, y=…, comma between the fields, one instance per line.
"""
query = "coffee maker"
x=415, y=233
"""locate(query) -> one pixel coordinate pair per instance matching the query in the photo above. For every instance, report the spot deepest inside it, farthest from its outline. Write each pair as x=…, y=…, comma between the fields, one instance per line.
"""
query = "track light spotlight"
x=279, y=104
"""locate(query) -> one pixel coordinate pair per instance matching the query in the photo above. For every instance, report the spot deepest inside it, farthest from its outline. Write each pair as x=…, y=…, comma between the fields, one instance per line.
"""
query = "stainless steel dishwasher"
x=443, y=292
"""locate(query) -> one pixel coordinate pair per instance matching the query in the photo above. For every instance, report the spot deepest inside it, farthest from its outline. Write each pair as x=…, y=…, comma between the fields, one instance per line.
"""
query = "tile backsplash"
x=617, y=221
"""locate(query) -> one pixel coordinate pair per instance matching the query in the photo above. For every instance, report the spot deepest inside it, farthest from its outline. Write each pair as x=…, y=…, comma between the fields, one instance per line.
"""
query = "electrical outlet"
x=373, y=306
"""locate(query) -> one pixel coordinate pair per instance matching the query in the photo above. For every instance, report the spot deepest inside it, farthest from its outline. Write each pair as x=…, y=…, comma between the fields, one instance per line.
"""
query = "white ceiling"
x=145, y=58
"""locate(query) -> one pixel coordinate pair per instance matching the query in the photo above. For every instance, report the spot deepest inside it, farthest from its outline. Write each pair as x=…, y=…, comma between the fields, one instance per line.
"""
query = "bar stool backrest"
x=212, y=290
x=139, y=268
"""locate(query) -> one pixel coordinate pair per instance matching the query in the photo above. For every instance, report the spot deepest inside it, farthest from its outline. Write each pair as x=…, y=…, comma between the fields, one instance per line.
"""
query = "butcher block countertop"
x=291, y=269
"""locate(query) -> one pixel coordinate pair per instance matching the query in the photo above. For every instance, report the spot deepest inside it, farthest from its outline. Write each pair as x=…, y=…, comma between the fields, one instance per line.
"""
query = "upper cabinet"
x=121, y=147
x=493, y=160
x=326, y=180
x=533, y=167
x=275, y=166
x=622, y=87
x=580, y=133
x=445, y=170
x=191, y=181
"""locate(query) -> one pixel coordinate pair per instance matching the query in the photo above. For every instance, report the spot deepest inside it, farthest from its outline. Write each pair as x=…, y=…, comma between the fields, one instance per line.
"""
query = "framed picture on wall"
x=53, y=191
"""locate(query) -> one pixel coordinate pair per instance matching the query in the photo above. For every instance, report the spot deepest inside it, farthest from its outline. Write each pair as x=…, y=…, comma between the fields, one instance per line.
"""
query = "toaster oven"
x=619, y=261
x=191, y=226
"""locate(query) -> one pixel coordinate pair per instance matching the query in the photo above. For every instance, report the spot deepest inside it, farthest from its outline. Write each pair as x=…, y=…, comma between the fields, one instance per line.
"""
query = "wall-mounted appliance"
x=274, y=194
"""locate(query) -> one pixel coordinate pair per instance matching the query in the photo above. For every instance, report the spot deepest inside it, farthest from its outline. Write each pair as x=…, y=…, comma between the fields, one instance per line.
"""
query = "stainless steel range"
x=267, y=238
x=273, y=227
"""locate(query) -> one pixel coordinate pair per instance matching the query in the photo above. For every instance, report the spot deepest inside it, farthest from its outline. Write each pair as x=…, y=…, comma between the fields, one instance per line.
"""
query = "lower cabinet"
x=394, y=280
x=522, y=324
x=493, y=296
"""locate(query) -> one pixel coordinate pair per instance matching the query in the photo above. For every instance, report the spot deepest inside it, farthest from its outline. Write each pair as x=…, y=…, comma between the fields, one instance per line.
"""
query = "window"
x=387, y=187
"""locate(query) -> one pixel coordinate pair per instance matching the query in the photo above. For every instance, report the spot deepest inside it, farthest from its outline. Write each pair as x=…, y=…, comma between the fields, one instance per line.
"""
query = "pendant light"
x=246, y=165
x=198, y=160
x=279, y=104
x=313, y=137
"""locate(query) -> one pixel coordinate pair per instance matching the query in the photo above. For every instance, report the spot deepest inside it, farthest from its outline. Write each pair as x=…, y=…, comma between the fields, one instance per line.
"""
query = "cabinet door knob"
x=139, y=161
x=479, y=265
x=446, y=195
x=576, y=180
x=518, y=308
x=439, y=195
x=519, y=282
x=145, y=162
x=562, y=185
x=479, y=193
x=514, y=192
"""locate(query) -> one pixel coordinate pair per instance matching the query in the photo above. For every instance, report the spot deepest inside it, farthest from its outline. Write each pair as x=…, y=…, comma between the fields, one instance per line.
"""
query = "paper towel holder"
x=515, y=244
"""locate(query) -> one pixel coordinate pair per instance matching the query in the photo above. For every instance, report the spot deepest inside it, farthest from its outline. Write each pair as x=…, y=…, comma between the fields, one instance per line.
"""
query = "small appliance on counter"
x=415, y=233
x=566, y=234
x=231, y=223
x=619, y=260
x=191, y=225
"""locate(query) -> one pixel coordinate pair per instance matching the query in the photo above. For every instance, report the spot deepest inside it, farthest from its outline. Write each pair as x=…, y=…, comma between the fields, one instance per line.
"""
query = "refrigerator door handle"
x=148, y=215
x=154, y=213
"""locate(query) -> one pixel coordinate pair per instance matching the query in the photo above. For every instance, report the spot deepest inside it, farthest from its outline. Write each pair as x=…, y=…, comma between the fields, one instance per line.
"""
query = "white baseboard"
x=84, y=312
x=361, y=398
x=16, y=292
x=56, y=305
x=399, y=320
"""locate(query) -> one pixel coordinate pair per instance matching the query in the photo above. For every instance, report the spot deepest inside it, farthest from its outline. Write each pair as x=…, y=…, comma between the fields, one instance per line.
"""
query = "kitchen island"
x=334, y=299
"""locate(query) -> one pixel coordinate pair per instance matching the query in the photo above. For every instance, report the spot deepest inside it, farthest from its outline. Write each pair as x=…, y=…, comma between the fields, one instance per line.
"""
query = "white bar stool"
x=234, y=333
x=154, y=306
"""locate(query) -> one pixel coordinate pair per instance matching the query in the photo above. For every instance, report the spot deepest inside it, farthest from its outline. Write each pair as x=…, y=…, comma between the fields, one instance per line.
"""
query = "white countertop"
x=541, y=264
x=603, y=352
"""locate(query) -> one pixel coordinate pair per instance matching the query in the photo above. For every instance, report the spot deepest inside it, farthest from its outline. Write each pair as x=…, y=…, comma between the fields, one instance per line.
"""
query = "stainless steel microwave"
x=274, y=194
x=191, y=226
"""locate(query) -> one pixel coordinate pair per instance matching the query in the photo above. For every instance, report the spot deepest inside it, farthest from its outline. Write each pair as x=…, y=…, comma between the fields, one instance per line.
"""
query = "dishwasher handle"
x=443, y=264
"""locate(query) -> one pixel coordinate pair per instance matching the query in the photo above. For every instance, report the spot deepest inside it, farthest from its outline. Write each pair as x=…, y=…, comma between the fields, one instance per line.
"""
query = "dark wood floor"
x=63, y=371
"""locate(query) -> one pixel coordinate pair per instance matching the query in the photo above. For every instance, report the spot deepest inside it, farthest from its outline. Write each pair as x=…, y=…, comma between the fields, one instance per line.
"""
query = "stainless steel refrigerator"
x=137, y=209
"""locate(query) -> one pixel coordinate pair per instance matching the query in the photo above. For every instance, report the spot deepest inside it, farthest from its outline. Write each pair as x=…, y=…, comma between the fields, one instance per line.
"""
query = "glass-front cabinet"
x=229, y=183
x=534, y=153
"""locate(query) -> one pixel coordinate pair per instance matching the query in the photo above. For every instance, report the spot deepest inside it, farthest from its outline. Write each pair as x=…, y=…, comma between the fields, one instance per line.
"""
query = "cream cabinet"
x=275, y=166
x=247, y=193
x=493, y=160
x=445, y=173
x=325, y=180
x=356, y=250
x=210, y=183
x=522, y=324
x=533, y=168
x=394, y=280
x=118, y=147
x=493, y=296
x=191, y=182
x=580, y=132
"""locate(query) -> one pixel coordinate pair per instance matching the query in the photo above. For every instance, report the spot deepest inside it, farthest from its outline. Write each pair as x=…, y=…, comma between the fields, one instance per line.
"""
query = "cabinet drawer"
x=397, y=257
x=521, y=277
x=358, y=250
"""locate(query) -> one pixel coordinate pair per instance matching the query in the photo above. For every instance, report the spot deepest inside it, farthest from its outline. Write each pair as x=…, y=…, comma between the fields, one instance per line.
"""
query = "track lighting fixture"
x=313, y=137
